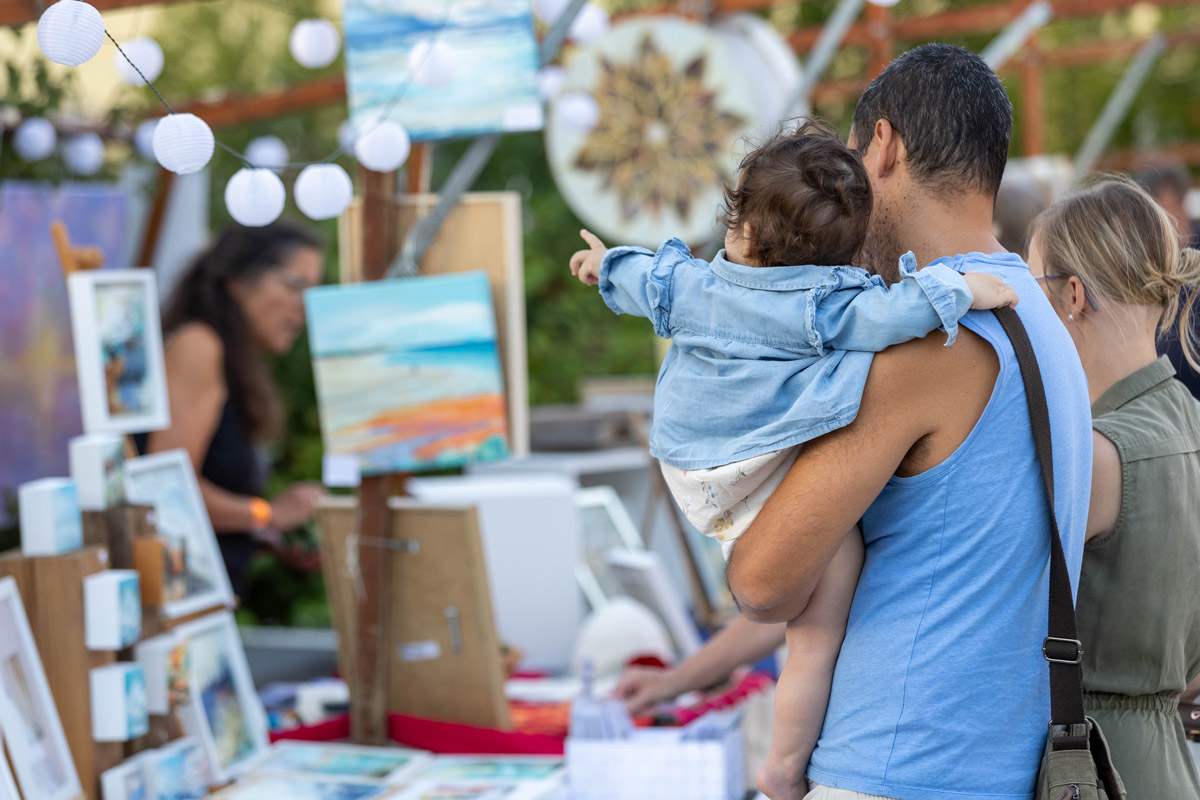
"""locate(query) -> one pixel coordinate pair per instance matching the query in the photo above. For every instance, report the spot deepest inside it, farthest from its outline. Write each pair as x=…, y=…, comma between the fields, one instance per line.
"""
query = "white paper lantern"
x=883, y=3
x=35, y=139
x=590, y=25
x=255, y=197
x=383, y=147
x=550, y=10
x=315, y=43
x=70, y=32
x=432, y=63
x=183, y=143
x=84, y=154
x=550, y=82
x=143, y=139
x=578, y=110
x=148, y=57
x=346, y=136
x=268, y=152
x=323, y=191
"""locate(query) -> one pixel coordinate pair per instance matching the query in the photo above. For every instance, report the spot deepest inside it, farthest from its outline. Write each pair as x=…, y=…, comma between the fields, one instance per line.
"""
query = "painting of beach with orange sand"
x=407, y=372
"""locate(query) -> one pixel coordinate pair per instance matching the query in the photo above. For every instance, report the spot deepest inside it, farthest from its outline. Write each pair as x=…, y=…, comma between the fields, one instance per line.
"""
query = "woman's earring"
x=1071, y=317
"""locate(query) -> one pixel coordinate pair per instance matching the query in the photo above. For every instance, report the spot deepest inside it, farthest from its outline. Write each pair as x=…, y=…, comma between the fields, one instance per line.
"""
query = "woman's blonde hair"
x=1125, y=248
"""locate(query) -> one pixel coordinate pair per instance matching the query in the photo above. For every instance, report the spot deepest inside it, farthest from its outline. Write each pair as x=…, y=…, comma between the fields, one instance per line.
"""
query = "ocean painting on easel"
x=408, y=374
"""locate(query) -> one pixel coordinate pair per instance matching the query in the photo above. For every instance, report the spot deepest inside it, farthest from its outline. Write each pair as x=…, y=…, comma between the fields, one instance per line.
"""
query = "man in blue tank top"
x=941, y=691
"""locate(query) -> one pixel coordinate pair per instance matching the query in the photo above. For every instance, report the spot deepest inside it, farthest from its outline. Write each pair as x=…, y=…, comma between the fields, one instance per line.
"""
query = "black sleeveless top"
x=232, y=463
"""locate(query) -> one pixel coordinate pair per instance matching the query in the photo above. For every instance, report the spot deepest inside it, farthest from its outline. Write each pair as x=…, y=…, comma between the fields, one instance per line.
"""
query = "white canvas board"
x=531, y=542
x=29, y=721
x=168, y=482
x=119, y=351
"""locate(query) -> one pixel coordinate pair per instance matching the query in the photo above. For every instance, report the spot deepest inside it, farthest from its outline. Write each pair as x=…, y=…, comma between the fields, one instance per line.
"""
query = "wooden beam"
x=19, y=12
x=1096, y=52
x=1187, y=152
x=1033, y=103
x=242, y=109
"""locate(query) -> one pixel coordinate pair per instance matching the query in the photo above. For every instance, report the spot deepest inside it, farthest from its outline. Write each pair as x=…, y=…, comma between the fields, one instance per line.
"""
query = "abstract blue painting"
x=492, y=87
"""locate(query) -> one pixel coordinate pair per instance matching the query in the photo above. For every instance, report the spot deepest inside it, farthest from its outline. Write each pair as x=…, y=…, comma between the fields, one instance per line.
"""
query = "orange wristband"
x=260, y=510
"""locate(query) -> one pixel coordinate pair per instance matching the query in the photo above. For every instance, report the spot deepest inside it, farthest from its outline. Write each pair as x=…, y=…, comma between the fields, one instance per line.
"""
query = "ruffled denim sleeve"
x=873, y=317
x=635, y=281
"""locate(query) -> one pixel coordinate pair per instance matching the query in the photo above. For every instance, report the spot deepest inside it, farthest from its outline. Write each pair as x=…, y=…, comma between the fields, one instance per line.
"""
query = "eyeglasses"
x=1086, y=294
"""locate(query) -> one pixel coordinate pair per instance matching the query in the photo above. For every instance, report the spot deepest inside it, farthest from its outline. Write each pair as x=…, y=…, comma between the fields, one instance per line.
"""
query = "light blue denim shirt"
x=765, y=358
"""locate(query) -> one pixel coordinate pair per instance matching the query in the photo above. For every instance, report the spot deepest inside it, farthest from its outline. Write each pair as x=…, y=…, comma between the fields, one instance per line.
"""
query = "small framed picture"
x=225, y=713
x=33, y=732
x=605, y=525
x=388, y=764
x=118, y=351
x=199, y=580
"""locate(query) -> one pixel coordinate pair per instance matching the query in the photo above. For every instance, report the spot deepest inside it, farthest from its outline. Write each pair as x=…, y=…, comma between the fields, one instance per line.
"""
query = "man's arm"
x=918, y=392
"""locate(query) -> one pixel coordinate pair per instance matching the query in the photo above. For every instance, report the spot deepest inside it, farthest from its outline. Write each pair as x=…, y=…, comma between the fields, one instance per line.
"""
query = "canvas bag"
x=1076, y=764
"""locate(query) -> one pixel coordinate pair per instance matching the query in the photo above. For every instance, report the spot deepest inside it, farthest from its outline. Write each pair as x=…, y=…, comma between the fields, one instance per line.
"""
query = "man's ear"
x=888, y=148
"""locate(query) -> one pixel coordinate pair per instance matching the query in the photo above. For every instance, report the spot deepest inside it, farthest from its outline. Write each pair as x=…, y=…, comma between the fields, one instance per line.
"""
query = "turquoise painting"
x=407, y=372
x=130, y=596
x=138, y=719
x=492, y=87
x=68, y=519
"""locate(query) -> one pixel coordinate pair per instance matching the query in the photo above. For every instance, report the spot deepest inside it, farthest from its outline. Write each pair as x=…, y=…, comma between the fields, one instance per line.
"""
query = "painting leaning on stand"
x=239, y=301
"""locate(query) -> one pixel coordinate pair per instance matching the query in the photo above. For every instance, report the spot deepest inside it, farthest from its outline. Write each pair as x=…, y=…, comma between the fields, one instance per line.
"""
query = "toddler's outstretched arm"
x=814, y=640
x=586, y=263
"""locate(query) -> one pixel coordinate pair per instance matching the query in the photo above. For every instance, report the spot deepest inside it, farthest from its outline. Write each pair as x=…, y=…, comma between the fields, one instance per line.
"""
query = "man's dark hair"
x=951, y=112
x=1160, y=177
x=805, y=198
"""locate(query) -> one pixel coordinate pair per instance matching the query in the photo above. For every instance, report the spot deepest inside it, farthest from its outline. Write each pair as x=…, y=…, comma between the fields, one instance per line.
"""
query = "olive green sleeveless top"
x=1139, y=602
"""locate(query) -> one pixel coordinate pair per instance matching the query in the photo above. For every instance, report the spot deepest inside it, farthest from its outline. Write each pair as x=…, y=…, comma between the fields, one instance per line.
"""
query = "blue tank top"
x=941, y=691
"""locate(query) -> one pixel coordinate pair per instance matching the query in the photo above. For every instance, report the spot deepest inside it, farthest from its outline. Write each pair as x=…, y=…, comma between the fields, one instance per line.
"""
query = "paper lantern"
x=590, y=25
x=315, y=43
x=578, y=110
x=883, y=3
x=143, y=139
x=347, y=134
x=382, y=147
x=255, y=197
x=145, y=54
x=432, y=63
x=268, y=152
x=35, y=139
x=84, y=154
x=550, y=82
x=183, y=143
x=323, y=191
x=550, y=10
x=70, y=32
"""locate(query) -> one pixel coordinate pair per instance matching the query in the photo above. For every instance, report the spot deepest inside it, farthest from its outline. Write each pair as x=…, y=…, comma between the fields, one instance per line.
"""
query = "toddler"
x=771, y=343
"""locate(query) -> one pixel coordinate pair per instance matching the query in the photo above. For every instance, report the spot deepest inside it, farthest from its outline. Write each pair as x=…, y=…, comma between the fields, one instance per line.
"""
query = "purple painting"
x=39, y=396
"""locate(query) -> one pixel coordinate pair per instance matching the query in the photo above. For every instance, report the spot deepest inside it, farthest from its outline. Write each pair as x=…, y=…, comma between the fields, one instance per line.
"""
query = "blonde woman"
x=1110, y=260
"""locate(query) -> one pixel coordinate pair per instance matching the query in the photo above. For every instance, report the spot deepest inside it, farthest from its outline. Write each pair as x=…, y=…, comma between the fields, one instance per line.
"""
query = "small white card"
x=340, y=471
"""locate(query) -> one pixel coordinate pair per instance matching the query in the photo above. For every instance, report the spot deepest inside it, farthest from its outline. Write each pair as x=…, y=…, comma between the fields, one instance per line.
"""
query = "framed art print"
x=387, y=764
x=225, y=713
x=305, y=787
x=118, y=351
x=32, y=730
x=605, y=525
x=167, y=481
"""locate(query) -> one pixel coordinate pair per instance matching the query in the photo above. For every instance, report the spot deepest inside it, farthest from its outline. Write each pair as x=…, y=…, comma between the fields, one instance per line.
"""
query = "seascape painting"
x=195, y=573
x=213, y=672
x=491, y=88
x=121, y=320
x=407, y=372
x=494, y=769
x=39, y=395
x=386, y=764
x=298, y=787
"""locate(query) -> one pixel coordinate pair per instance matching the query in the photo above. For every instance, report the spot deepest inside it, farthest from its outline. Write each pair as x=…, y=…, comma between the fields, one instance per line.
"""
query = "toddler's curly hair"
x=802, y=197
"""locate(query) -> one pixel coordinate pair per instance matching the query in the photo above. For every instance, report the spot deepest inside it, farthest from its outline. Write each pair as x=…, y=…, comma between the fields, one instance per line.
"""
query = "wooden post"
x=166, y=180
x=1033, y=101
x=369, y=710
x=879, y=32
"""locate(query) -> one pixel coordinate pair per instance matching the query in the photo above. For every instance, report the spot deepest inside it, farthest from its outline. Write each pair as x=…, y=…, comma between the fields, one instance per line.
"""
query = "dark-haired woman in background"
x=239, y=301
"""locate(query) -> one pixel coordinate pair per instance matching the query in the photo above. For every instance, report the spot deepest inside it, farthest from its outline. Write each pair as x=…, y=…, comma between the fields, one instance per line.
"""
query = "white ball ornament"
x=70, y=32
x=323, y=191
x=146, y=55
x=183, y=143
x=550, y=82
x=268, y=152
x=143, y=139
x=346, y=136
x=883, y=3
x=255, y=197
x=383, y=147
x=432, y=63
x=579, y=110
x=35, y=139
x=590, y=25
x=315, y=43
x=83, y=155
